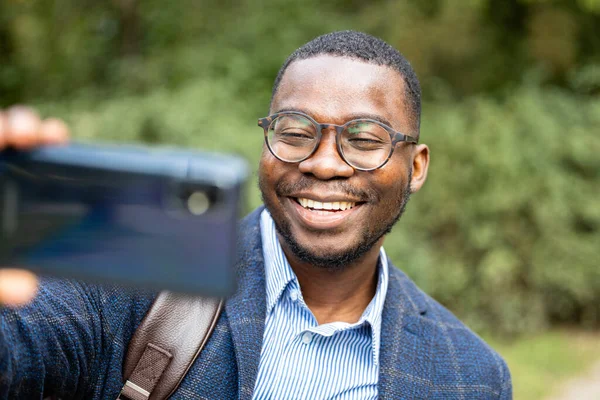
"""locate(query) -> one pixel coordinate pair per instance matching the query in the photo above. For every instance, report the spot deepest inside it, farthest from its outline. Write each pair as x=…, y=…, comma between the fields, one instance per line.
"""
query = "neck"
x=339, y=295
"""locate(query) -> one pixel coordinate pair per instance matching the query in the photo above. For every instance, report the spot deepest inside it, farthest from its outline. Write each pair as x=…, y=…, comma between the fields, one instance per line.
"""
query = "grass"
x=540, y=364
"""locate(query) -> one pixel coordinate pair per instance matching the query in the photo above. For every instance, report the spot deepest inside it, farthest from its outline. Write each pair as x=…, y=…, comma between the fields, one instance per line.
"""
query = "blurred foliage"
x=505, y=233
x=508, y=224
x=60, y=47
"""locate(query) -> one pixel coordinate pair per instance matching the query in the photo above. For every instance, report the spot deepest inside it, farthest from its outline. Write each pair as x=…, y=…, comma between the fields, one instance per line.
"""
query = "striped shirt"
x=301, y=359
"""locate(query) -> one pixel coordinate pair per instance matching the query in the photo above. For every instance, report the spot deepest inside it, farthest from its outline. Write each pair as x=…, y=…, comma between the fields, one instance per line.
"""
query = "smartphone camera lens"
x=198, y=203
x=191, y=199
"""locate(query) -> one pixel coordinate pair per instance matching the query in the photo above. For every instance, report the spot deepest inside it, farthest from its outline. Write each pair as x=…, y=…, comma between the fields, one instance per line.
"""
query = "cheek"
x=270, y=172
x=391, y=182
x=266, y=165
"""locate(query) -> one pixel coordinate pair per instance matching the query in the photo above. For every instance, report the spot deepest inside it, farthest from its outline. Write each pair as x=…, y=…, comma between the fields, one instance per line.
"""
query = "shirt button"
x=307, y=337
x=294, y=295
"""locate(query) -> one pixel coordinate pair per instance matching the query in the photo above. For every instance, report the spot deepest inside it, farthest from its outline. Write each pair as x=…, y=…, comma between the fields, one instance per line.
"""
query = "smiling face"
x=328, y=214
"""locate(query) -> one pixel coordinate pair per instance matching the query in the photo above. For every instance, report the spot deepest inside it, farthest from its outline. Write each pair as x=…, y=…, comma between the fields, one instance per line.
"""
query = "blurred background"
x=506, y=232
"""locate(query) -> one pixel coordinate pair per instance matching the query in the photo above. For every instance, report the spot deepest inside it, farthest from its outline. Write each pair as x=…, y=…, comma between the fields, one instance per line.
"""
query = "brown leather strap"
x=166, y=344
x=147, y=373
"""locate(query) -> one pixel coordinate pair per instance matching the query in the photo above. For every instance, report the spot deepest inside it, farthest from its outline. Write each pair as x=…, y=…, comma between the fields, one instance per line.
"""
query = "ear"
x=420, y=165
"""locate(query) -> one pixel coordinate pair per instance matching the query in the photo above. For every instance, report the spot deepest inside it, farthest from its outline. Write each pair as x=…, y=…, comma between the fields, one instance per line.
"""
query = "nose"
x=326, y=163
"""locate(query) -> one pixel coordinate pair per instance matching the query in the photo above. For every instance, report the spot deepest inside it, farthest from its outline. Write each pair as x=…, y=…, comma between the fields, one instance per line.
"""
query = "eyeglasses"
x=364, y=144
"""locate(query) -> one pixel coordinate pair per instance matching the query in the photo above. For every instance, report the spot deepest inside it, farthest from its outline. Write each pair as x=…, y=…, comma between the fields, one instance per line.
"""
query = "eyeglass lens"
x=364, y=144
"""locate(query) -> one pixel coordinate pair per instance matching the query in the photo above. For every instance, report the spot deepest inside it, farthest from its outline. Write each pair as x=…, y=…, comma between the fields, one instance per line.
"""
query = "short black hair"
x=362, y=46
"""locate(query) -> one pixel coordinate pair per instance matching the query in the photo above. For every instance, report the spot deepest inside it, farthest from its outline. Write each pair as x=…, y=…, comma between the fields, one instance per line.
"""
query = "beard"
x=370, y=235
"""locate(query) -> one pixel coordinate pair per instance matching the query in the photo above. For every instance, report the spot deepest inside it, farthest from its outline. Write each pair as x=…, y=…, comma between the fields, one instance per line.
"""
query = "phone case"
x=158, y=218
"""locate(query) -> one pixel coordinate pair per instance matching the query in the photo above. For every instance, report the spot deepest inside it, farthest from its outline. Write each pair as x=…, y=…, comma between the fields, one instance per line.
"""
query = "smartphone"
x=150, y=217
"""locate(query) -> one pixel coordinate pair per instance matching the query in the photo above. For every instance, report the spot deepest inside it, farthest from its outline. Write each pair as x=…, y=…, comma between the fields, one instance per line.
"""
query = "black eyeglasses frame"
x=395, y=136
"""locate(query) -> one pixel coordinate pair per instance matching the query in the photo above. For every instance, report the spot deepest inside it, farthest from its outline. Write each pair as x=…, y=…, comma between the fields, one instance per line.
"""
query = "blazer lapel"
x=247, y=308
x=407, y=341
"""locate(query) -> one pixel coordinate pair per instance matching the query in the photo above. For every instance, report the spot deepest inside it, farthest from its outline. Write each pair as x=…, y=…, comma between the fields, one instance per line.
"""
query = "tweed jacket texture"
x=71, y=341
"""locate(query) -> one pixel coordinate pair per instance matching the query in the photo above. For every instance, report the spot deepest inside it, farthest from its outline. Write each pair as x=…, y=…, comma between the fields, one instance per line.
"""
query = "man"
x=320, y=311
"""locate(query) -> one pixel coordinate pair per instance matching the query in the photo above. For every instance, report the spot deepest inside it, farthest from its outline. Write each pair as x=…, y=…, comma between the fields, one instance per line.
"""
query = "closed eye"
x=367, y=143
x=295, y=134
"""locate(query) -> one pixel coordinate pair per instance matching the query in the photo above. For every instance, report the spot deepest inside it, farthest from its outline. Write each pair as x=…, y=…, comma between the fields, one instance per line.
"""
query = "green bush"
x=52, y=49
x=506, y=231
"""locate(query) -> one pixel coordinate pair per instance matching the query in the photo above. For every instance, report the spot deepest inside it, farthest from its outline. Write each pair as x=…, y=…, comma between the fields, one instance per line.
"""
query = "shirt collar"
x=279, y=274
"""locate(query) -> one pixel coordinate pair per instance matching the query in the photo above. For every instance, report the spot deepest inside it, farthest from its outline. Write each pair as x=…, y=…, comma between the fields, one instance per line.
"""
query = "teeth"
x=317, y=205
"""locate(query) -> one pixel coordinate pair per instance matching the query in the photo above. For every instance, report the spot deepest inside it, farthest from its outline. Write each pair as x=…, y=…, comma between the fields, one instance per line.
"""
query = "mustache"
x=287, y=189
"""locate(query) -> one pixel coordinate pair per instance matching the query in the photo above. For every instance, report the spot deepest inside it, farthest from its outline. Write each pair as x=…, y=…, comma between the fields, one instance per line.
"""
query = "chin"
x=326, y=257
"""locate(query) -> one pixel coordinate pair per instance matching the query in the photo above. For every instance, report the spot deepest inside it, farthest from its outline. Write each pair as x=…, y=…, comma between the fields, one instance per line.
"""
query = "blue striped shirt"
x=301, y=359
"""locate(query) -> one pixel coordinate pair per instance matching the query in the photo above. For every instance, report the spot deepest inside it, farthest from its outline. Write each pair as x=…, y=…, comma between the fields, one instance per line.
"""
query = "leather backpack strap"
x=166, y=344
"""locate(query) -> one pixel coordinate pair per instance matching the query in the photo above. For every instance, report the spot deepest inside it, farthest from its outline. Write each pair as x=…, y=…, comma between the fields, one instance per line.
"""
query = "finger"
x=54, y=131
x=2, y=130
x=17, y=287
x=22, y=127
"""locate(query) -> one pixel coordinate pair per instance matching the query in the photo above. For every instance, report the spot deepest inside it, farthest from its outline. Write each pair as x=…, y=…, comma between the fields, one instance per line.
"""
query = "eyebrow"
x=351, y=117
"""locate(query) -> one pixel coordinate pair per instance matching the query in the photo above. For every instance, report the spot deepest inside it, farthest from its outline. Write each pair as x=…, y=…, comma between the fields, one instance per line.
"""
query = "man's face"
x=337, y=90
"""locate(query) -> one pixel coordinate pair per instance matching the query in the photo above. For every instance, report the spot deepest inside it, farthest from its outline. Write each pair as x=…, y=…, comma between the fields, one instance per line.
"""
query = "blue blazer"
x=72, y=340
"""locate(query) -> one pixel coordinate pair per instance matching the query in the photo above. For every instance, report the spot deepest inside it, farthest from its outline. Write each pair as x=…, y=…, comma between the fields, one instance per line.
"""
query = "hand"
x=22, y=128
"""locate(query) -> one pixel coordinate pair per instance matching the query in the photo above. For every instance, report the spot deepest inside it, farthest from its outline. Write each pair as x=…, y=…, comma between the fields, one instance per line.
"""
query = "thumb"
x=17, y=287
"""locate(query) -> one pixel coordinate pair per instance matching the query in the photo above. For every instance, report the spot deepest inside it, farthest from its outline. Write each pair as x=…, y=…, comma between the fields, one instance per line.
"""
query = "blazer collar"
x=407, y=339
x=246, y=310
